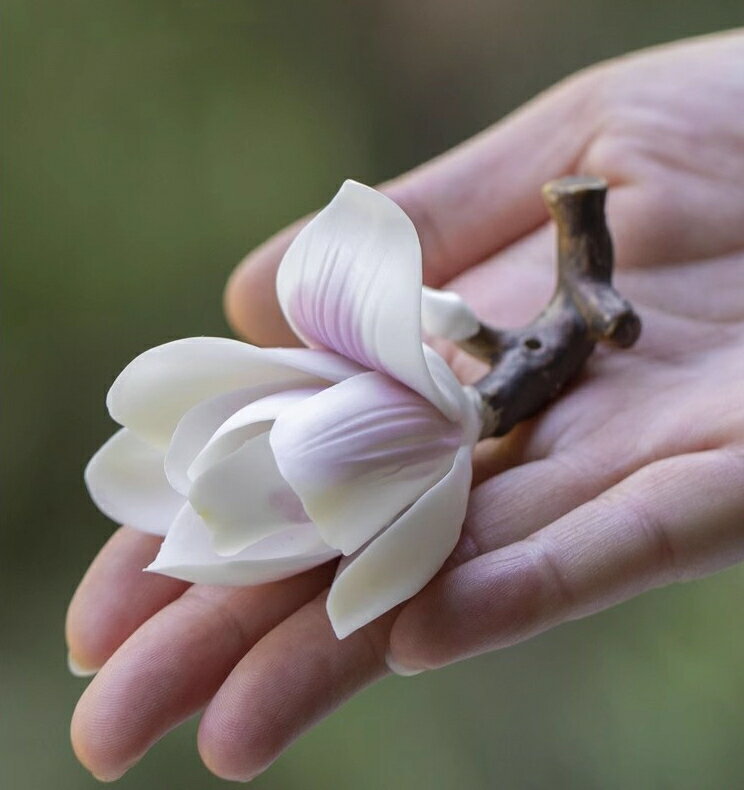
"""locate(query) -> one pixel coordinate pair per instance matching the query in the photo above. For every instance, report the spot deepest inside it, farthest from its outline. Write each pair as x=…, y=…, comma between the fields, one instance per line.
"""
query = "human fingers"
x=300, y=672
x=673, y=520
x=505, y=509
x=296, y=675
x=171, y=666
x=115, y=598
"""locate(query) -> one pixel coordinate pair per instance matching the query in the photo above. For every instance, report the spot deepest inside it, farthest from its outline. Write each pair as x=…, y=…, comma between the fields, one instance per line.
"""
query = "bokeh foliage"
x=146, y=146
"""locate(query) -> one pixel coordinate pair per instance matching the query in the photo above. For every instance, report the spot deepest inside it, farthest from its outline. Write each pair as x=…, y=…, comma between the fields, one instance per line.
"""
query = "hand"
x=633, y=479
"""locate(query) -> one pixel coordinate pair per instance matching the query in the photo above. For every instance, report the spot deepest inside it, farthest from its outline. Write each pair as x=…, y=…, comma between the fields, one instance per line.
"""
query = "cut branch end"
x=533, y=364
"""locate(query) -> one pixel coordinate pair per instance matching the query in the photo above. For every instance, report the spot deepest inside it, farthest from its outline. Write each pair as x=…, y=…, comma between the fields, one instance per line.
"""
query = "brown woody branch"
x=531, y=365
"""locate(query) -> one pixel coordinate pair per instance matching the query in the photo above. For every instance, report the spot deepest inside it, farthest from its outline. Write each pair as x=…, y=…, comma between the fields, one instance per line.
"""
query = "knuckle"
x=649, y=540
x=549, y=580
x=468, y=547
x=202, y=604
x=655, y=542
x=529, y=592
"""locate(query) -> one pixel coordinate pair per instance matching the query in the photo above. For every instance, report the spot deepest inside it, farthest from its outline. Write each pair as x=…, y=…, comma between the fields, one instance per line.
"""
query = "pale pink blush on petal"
x=351, y=282
x=288, y=504
x=360, y=452
x=235, y=497
x=329, y=318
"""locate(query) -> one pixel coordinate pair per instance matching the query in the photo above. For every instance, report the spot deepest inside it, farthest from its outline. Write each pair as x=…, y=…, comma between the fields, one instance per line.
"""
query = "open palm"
x=633, y=479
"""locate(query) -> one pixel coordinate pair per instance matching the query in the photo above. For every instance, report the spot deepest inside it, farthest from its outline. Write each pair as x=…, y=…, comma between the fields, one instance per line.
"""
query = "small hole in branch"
x=532, y=343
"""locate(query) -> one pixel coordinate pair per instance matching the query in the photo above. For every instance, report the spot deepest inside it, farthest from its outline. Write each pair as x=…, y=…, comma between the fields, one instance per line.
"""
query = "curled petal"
x=158, y=387
x=351, y=282
x=469, y=402
x=445, y=314
x=197, y=427
x=243, y=498
x=360, y=452
x=398, y=563
x=126, y=480
x=187, y=554
x=243, y=425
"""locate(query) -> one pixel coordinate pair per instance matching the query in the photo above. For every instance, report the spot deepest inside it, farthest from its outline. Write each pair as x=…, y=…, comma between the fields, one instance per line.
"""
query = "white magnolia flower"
x=257, y=464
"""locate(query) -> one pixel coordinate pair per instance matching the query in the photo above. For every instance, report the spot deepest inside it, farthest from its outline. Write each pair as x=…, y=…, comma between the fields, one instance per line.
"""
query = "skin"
x=643, y=457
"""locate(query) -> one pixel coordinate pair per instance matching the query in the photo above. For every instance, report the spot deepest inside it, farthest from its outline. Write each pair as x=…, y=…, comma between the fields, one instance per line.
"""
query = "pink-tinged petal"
x=245, y=424
x=351, y=282
x=199, y=425
x=126, y=480
x=243, y=498
x=400, y=562
x=158, y=387
x=187, y=554
x=360, y=452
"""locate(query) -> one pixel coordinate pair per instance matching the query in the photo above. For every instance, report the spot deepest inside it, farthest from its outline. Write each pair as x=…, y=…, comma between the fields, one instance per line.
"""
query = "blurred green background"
x=146, y=146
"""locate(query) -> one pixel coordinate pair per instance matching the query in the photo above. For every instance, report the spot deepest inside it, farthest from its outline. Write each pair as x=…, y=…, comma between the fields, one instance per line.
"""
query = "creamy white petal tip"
x=399, y=562
x=187, y=553
x=445, y=314
x=126, y=479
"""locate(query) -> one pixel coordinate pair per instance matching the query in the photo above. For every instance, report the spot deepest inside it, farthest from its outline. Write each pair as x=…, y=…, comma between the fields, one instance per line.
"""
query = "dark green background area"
x=146, y=146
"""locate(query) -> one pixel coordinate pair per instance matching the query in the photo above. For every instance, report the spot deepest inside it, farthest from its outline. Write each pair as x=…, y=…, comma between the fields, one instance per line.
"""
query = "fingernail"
x=107, y=778
x=112, y=777
x=400, y=669
x=78, y=670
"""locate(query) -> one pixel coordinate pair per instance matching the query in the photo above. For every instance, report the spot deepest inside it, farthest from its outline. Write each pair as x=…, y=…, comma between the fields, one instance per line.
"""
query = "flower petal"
x=243, y=498
x=198, y=426
x=187, y=554
x=158, y=387
x=360, y=452
x=469, y=402
x=245, y=424
x=351, y=282
x=126, y=480
x=400, y=562
x=445, y=314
